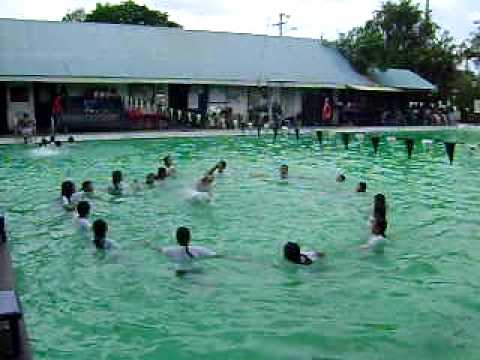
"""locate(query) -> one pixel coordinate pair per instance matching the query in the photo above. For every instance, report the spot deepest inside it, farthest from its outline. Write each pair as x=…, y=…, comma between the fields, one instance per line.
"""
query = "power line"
x=282, y=22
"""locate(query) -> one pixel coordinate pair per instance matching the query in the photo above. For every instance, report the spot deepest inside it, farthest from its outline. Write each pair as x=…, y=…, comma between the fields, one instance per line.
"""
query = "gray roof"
x=401, y=78
x=40, y=49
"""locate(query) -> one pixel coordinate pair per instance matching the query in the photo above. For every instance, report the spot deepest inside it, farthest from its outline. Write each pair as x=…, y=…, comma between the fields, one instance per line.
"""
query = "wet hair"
x=3, y=233
x=71, y=139
x=223, y=163
x=167, y=160
x=161, y=173
x=362, y=187
x=379, y=206
x=341, y=178
x=150, y=179
x=86, y=184
x=58, y=143
x=68, y=189
x=292, y=253
x=100, y=228
x=117, y=177
x=83, y=209
x=379, y=226
x=52, y=139
x=183, y=239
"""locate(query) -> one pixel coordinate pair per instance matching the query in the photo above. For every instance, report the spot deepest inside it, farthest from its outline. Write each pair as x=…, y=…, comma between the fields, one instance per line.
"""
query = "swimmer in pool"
x=205, y=184
x=377, y=241
x=100, y=229
x=341, y=178
x=83, y=211
x=361, y=187
x=292, y=253
x=284, y=171
x=68, y=189
x=150, y=180
x=169, y=165
x=71, y=139
x=117, y=187
x=220, y=167
x=379, y=206
x=87, y=192
x=184, y=254
x=161, y=174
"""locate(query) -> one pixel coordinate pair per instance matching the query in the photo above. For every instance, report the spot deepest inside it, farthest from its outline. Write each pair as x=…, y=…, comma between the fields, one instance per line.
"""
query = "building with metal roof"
x=153, y=67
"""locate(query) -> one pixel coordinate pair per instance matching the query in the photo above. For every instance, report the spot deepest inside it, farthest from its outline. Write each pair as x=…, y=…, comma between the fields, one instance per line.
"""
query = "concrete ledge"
x=7, y=283
x=165, y=134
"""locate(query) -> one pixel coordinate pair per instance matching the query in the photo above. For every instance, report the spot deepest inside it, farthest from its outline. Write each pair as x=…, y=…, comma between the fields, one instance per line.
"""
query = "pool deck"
x=165, y=134
x=7, y=283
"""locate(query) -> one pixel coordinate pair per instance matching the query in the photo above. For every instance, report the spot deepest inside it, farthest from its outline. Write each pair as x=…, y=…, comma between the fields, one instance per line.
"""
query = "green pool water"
x=420, y=299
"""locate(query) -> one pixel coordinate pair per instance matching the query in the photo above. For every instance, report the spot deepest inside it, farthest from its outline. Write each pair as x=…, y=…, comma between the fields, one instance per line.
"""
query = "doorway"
x=3, y=110
x=44, y=94
x=178, y=96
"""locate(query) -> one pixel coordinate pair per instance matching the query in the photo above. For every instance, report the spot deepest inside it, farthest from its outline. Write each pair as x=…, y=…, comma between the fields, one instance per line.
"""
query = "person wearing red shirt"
x=57, y=112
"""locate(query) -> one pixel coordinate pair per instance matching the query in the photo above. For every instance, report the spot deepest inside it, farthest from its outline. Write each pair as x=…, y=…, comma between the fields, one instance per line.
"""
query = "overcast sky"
x=312, y=18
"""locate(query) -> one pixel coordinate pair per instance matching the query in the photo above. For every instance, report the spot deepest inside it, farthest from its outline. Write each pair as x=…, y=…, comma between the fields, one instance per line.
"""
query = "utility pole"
x=282, y=22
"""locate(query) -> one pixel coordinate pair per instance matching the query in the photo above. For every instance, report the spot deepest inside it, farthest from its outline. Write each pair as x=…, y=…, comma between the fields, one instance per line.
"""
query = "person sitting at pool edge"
x=361, y=187
x=284, y=171
x=68, y=189
x=184, y=253
x=169, y=165
x=292, y=253
x=100, y=229
x=116, y=188
x=341, y=178
x=83, y=211
x=161, y=174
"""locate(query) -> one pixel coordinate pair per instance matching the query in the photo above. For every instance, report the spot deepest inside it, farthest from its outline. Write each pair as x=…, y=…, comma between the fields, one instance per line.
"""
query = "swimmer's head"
x=222, y=165
x=379, y=226
x=117, y=177
x=284, y=171
x=341, y=178
x=362, y=187
x=167, y=160
x=83, y=209
x=68, y=189
x=162, y=173
x=100, y=229
x=292, y=253
x=52, y=139
x=87, y=186
x=183, y=236
x=71, y=139
x=150, y=179
x=58, y=143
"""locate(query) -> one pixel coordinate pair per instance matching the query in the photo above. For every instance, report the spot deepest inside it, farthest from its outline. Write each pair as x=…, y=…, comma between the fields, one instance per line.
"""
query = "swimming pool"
x=419, y=299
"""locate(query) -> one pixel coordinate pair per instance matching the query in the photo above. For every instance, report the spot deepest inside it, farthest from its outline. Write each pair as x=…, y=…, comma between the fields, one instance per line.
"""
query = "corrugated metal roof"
x=401, y=78
x=40, y=49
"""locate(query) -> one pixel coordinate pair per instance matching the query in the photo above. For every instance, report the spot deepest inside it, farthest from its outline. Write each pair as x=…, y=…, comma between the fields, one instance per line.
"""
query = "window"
x=19, y=94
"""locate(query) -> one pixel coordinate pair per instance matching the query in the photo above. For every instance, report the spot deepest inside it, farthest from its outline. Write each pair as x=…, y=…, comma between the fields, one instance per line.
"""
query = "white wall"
x=17, y=109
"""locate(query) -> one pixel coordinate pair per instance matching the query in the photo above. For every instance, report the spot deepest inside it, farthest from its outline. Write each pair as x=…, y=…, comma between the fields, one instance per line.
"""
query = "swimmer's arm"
x=212, y=170
x=149, y=244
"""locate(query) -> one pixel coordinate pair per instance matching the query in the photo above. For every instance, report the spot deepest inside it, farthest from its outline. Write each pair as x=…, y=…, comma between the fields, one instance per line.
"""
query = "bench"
x=10, y=312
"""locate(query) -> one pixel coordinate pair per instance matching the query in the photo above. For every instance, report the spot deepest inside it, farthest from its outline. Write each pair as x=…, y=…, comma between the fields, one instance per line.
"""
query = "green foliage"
x=401, y=35
x=125, y=13
x=78, y=15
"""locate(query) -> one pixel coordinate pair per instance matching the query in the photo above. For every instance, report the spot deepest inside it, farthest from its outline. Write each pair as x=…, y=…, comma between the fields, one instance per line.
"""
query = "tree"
x=401, y=35
x=78, y=15
x=127, y=12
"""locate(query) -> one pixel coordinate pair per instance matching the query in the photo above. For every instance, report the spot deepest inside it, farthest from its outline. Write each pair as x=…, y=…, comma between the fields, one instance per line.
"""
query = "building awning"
x=373, y=88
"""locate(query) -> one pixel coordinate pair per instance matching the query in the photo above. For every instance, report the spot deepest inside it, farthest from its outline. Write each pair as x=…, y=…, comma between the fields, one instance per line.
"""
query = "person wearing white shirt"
x=100, y=229
x=117, y=187
x=378, y=240
x=83, y=224
x=68, y=189
x=184, y=255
